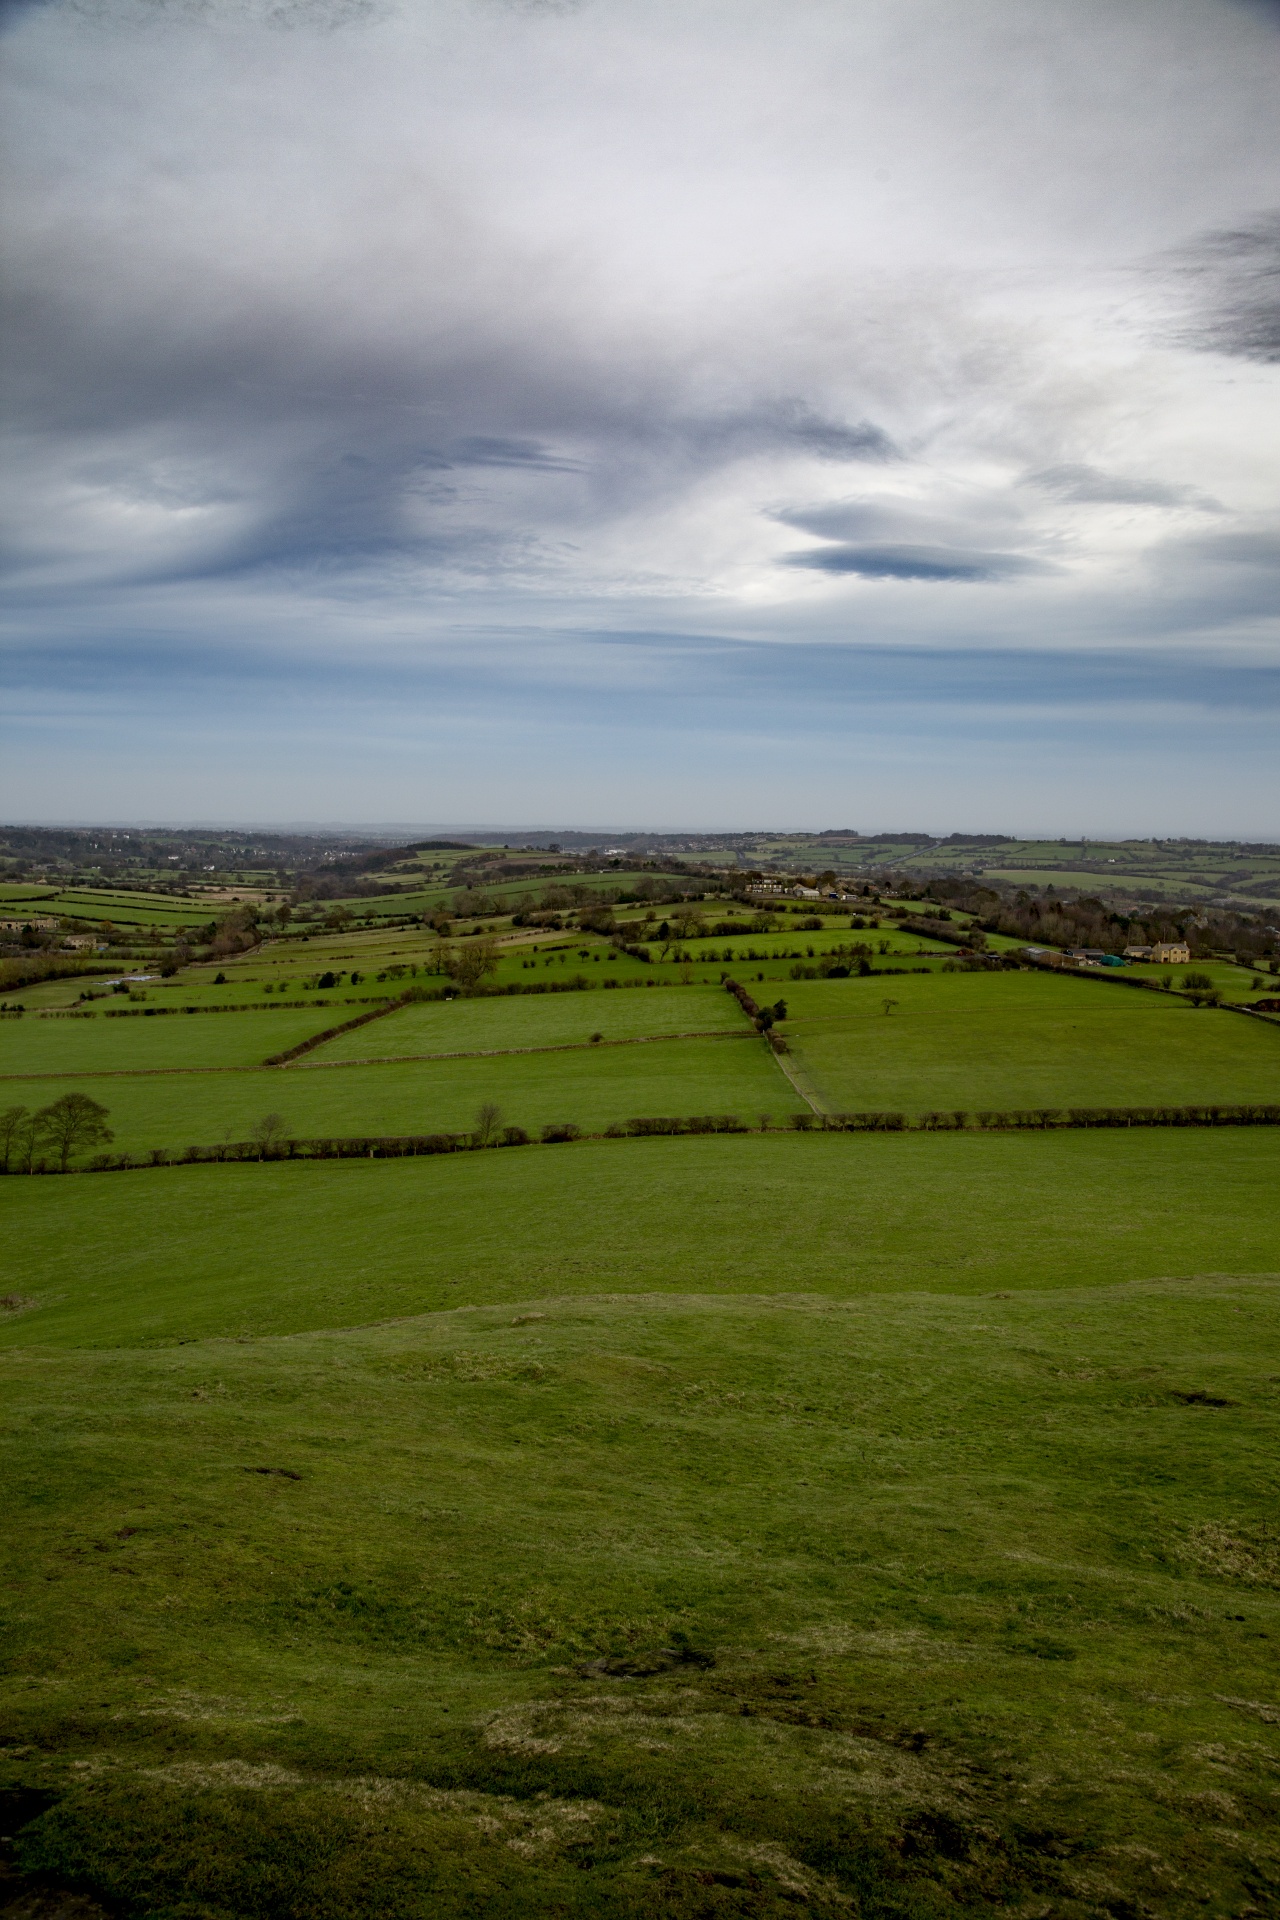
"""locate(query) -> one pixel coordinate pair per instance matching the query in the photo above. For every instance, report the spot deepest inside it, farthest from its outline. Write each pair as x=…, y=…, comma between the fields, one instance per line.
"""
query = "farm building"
x=1170, y=953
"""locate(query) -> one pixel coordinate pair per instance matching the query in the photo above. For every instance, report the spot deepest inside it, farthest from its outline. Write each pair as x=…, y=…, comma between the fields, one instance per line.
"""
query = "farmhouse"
x=1170, y=953
x=16, y=926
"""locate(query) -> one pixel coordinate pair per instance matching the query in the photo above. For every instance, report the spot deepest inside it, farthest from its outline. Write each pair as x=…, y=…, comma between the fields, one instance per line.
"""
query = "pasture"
x=562, y=1019
x=992, y=1040
x=194, y=1252
x=136, y=1044
x=593, y=1089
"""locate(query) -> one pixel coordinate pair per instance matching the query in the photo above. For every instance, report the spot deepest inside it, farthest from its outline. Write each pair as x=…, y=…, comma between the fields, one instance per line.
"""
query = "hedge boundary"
x=406, y=1146
x=331, y=1033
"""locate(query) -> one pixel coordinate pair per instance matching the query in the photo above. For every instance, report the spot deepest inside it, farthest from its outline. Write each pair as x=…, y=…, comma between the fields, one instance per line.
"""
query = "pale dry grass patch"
x=527, y=1827
x=1251, y=1555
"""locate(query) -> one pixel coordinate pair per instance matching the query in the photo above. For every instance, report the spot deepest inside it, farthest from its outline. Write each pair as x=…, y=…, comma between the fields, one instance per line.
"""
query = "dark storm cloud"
x=1233, y=280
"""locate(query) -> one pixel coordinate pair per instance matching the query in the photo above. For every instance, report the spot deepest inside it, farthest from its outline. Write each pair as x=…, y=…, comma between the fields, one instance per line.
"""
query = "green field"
x=733, y=1075
x=195, y=1252
x=725, y=1527
x=562, y=1019
x=137, y=1044
x=977, y=1041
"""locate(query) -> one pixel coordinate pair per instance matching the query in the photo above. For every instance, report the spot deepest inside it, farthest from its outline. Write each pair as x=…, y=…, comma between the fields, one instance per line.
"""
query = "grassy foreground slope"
x=996, y=1040
x=192, y=1252
x=905, y=1606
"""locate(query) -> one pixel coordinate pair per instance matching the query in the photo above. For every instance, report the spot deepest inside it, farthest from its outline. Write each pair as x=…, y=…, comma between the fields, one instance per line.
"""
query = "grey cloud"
x=1232, y=278
x=1085, y=485
x=831, y=439
x=493, y=450
x=405, y=299
x=915, y=563
x=896, y=521
x=900, y=540
x=1260, y=548
x=315, y=16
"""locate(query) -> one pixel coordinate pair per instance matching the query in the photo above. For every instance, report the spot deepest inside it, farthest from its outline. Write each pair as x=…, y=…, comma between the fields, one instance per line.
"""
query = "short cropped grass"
x=541, y=1020
x=134, y=1045
x=593, y=1089
x=994, y=1040
x=188, y=1252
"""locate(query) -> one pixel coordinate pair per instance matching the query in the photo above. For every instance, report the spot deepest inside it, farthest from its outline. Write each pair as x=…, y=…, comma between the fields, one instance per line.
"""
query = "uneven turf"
x=994, y=1040
x=909, y=1606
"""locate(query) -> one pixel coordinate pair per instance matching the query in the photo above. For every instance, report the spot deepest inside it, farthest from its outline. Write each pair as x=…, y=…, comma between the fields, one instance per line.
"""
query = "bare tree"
x=888, y=1005
x=468, y=965
x=488, y=1120
x=25, y=1142
x=72, y=1123
x=268, y=1134
x=11, y=1128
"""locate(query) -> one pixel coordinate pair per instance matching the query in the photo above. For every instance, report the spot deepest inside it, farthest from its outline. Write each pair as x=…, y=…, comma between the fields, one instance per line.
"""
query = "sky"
x=652, y=413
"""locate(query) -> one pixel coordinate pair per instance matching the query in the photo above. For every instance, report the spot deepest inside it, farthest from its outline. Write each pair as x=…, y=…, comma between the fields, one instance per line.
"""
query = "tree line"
x=25, y=1138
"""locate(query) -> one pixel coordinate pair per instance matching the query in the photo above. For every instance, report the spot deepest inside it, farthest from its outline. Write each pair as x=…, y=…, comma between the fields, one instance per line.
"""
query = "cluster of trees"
x=1047, y=920
x=930, y=928
x=64, y=1128
x=761, y=1017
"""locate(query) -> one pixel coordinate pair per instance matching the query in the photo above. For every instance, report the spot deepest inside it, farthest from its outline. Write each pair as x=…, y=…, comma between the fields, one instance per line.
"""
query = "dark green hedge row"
x=1023, y=1119
x=331, y=1033
x=402, y=1146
